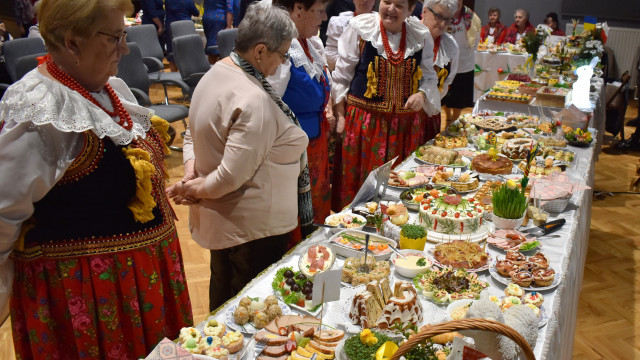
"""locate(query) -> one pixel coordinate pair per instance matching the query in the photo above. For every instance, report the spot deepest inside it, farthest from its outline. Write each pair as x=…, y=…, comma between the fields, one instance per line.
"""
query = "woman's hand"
x=339, y=110
x=189, y=170
x=328, y=111
x=415, y=102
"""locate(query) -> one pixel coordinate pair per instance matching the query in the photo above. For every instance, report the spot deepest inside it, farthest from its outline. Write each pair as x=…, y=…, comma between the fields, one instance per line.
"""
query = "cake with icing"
x=403, y=308
x=450, y=213
x=377, y=306
x=517, y=148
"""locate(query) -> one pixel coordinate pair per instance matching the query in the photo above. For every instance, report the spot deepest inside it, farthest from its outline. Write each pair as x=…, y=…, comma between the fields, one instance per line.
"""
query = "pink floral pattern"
x=371, y=139
x=108, y=306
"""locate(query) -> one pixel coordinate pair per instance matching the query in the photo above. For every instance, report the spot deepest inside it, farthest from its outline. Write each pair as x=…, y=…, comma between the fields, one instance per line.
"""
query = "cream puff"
x=233, y=341
x=534, y=298
x=214, y=328
x=514, y=290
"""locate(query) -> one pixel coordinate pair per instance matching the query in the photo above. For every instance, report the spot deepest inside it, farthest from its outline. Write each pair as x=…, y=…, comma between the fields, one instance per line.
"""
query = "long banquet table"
x=566, y=253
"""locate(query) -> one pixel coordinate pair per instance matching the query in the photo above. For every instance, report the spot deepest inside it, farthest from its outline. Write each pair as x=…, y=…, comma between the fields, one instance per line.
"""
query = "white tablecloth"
x=490, y=63
x=566, y=253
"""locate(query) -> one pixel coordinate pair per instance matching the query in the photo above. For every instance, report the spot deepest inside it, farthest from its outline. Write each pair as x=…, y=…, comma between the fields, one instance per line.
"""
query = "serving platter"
x=248, y=328
x=506, y=281
x=466, y=163
x=475, y=237
x=345, y=251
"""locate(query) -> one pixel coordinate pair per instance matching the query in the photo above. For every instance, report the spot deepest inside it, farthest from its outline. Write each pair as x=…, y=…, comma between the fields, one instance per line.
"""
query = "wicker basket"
x=556, y=205
x=466, y=324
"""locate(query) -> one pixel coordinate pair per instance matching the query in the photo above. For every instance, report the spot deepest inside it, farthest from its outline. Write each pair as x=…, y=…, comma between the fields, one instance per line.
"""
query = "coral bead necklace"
x=397, y=57
x=124, y=119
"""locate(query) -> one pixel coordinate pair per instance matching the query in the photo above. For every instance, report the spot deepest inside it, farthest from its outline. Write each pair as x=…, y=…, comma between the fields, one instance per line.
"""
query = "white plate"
x=248, y=347
x=348, y=252
x=466, y=162
x=248, y=328
x=298, y=308
x=506, y=281
x=337, y=229
x=476, y=237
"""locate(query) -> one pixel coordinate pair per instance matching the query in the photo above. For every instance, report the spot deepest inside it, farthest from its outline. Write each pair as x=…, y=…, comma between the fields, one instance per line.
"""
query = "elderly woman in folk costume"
x=436, y=15
x=518, y=29
x=466, y=30
x=384, y=88
x=493, y=29
x=337, y=24
x=85, y=224
x=304, y=84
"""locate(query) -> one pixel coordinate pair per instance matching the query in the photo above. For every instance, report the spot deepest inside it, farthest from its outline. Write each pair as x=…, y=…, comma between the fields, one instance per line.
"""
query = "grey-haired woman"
x=246, y=175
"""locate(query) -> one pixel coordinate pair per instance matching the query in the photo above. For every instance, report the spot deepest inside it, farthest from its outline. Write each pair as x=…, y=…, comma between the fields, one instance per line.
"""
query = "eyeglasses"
x=118, y=39
x=286, y=56
x=440, y=18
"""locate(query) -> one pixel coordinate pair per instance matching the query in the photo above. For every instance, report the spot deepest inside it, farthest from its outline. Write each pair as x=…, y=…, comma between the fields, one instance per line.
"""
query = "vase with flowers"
x=532, y=41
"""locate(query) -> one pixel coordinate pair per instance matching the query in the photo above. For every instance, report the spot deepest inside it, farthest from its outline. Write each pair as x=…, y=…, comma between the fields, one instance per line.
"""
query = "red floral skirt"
x=318, y=155
x=370, y=139
x=107, y=306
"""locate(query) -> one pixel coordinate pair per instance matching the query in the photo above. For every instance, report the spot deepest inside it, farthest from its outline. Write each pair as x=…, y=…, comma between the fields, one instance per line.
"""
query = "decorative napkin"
x=555, y=186
x=168, y=350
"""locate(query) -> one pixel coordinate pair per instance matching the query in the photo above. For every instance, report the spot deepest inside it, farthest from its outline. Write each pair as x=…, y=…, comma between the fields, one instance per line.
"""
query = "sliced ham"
x=273, y=339
x=329, y=335
x=329, y=350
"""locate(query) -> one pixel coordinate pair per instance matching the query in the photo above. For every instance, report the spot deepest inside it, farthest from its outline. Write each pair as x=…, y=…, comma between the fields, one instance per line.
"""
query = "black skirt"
x=460, y=93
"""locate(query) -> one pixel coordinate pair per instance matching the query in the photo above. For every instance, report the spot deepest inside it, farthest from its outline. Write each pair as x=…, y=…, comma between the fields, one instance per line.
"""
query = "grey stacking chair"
x=188, y=53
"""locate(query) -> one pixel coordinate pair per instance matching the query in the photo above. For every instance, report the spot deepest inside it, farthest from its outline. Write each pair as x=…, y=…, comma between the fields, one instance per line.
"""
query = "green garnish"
x=412, y=231
x=356, y=350
x=304, y=341
x=358, y=221
x=421, y=262
x=529, y=246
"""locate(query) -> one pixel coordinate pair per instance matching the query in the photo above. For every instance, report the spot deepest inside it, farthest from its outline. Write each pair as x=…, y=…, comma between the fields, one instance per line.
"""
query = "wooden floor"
x=609, y=304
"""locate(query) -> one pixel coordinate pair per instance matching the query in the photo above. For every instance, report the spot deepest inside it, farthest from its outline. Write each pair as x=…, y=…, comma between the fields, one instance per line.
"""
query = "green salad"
x=294, y=287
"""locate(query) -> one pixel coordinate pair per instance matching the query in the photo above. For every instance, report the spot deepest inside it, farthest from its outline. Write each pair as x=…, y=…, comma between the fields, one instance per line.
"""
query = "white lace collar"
x=367, y=26
x=447, y=42
x=299, y=58
x=41, y=100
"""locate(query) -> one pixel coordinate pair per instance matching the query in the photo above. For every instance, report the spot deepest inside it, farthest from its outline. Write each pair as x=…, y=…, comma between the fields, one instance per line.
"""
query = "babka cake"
x=403, y=308
x=517, y=148
x=378, y=307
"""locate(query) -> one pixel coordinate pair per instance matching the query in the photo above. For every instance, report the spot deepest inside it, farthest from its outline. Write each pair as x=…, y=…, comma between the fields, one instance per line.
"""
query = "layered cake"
x=486, y=164
x=450, y=214
x=458, y=180
x=378, y=307
x=517, y=148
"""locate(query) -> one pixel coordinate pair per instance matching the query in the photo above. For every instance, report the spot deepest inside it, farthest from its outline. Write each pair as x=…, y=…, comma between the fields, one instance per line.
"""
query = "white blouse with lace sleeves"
x=33, y=159
x=367, y=28
x=43, y=130
x=348, y=58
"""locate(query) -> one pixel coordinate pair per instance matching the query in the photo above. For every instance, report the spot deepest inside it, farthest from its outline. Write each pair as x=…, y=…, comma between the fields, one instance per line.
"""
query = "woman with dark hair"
x=218, y=15
x=518, y=29
x=551, y=20
x=304, y=83
x=465, y=29
x=385, y=88
x=493, y=30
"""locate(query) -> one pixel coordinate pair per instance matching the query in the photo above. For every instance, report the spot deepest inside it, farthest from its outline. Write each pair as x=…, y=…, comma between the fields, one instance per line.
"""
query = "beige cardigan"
x=249, y=152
